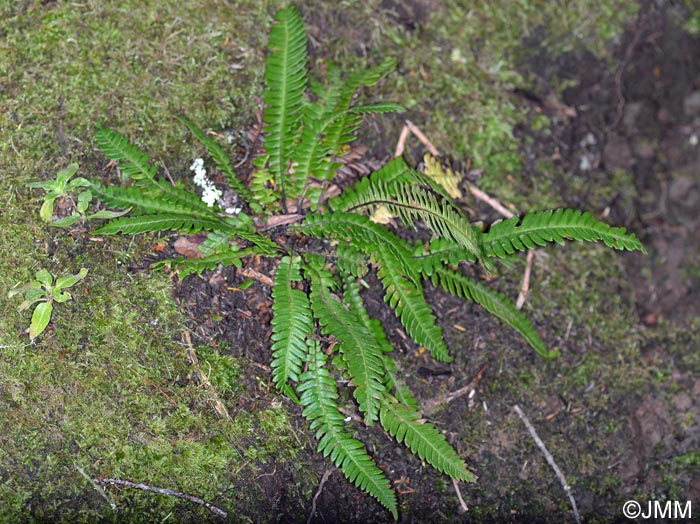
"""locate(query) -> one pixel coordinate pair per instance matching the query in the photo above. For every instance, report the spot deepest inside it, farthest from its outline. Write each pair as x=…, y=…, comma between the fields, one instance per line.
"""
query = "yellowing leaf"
x=443, y=175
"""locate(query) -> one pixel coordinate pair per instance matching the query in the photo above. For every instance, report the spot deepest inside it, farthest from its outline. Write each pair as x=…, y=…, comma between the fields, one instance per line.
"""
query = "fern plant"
x=316, y=286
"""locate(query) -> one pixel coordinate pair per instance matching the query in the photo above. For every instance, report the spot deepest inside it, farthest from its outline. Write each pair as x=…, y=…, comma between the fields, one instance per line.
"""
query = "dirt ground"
x=641, y=117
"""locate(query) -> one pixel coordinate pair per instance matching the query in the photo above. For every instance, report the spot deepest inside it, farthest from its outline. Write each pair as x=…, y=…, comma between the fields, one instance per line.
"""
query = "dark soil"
x=641, y=116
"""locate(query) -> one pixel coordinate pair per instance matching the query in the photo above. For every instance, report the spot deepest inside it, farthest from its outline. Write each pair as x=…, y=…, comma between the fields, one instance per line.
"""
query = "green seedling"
x=44, y=291
x=62, y=187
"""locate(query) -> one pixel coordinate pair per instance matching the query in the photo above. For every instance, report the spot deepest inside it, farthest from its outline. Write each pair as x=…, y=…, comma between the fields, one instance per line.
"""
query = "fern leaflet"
x=160, y=222
x=493, y=302
x=361, y=351
x=318, y=395
x=423, y=439
x=133, y=162
x=291, y=324
x=536, y=229
x=285, y=78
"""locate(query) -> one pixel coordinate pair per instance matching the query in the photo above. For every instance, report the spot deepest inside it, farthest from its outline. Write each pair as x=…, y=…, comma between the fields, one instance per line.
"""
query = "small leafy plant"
x=325, y=246
x=44, y=291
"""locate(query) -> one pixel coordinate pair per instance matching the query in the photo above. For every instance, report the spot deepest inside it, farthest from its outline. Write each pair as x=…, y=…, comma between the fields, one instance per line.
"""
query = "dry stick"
x=462, y=504
x=419, y=134
x=98, y=488
x=401, y=144
x=525, y=284
x=550, y=460
x=163, y=491
x=324, y=479
x=251, y=273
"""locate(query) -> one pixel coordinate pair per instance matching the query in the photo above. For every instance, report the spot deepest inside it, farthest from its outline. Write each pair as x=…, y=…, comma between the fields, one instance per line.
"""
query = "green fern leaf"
x=318, y=395
x=140, y=202
x=393, y=382
x=363, y=235
x=357, y=307
x=133, y=162
x=538, y=228
x=189, y=266
x=423, y=439
x=221, y=159
x=493, y=302
x=160, y=222
x=291, y=324
x=410, y=195
x=440, y=251
x=381, y=107
x=396, y=270
x=285, y=78
x=360, y=350
x=408, y=302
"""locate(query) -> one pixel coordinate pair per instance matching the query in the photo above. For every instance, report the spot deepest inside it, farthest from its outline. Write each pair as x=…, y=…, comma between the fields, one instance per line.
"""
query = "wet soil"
x=642, y=116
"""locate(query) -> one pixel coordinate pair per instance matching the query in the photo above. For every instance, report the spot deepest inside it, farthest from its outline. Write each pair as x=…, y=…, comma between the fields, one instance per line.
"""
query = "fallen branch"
x=163, y=491
x=550, y=460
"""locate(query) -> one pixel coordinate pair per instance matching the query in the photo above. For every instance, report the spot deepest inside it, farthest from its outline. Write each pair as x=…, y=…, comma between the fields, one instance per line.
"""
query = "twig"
x=432, y=404
x=401, y=144
x=550, y=460
x=479, y=194
x=324, y=479
x=525, y=284
x=462, y=504
x=251, y=273
x=97, y=487
x=163, y=491
x=424, y=139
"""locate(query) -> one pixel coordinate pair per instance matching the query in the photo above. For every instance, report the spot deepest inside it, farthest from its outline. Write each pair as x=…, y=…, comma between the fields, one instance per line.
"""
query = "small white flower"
x=232, y=210
x=210, y=194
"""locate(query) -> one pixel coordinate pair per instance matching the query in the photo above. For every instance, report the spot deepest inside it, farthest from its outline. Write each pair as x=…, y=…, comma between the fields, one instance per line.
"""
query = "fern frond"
x=440, y=251
x=381, y=107
x=423, y=439
x=133, y=162
x=291, y=324
x=393, y=382
x=536, y=229
x=221, y=159
x=285, y=79
x=493, y=302
x=318, y=396
x=159, y=222
x=362, y=234
x=364, y=78
x=140, y=202
x=196, y=266
x=350, y=260
x=407, y=300
x=360, y=350
x=357, y=306
x=313, y=155
x=262, y=184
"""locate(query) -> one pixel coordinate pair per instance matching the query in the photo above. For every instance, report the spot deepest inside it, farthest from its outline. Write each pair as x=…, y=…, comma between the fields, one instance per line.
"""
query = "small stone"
x=691, y=104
